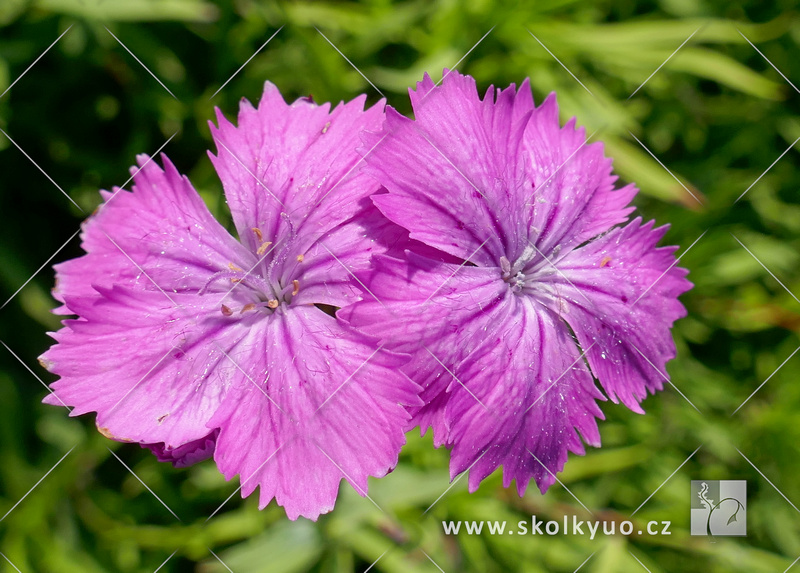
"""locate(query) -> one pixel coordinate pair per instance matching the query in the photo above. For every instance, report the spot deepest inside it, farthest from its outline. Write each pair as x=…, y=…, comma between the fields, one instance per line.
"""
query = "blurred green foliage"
x=716, y=114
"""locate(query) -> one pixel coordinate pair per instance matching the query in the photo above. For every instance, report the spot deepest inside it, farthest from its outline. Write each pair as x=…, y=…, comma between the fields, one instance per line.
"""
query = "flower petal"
x=163, y=225
x=154, y=369
x=475, y=178
x=187, y=454
x=331, y=265
x=537, y=399
x=293, y=168
x=570, y=187
x=503, y=379
x=322, y=403
x=619, y=295
x=454, y=165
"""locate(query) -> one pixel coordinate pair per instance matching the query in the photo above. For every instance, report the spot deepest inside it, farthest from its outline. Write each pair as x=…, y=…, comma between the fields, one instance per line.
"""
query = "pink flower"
x=534, y=288
x=190, y=342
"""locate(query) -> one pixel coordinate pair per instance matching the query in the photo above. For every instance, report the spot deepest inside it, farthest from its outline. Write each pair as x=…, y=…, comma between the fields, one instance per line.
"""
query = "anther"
x=263, y=248
x=505, y=266
x=273, y=304
x=226, y=311
x=248, y=306
x=296, y=288
x=300, y=258
x=233, y=267
x=258, y=233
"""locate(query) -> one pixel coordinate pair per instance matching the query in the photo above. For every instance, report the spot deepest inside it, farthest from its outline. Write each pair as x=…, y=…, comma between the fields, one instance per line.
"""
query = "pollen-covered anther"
x=226, y=310
x=247, y=307
x=300, y=258
x=263, y=248
x=258, y=233
x=273, y=304
x=233, y=267
x=296, y=288
x=512, y=275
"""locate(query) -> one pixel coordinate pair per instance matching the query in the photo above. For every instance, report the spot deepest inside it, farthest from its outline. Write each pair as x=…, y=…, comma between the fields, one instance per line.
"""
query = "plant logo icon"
x=719, y=508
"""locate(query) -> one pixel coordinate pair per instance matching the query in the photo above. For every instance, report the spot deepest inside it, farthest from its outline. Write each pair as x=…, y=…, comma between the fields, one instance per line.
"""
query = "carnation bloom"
x=195, y=344
x=535, y=288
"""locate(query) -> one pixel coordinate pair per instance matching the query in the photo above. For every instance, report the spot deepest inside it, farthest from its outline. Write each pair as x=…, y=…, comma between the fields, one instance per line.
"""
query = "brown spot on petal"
x=161, y=418
x=325, y=129
x=44, y=363
x=106, y=432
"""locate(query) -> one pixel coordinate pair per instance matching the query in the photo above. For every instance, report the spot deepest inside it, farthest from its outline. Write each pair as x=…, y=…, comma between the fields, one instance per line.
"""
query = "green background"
x=716, y=114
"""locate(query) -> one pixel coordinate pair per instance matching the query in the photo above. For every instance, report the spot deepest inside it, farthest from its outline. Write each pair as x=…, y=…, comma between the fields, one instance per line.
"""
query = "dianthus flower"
x=527, y=286
x=193, y=343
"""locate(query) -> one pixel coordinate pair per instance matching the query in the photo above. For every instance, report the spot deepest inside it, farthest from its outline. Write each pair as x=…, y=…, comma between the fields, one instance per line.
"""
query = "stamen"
x=505, y=266
x=226, y=311
x=300, y=258
x=273, y=304
x=248, y=306
x=233, y=267
x=296, y=288
x=526, y=257
x=263, y=248
x=258, y=233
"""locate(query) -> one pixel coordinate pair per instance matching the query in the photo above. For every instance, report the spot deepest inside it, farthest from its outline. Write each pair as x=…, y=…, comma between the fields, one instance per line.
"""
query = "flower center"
x=263, y=288
x=527, y=269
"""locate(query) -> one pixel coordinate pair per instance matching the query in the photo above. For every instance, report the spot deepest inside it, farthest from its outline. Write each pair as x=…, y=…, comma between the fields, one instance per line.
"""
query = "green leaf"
x=286, y=547
x=10, y=10
x=633, y=163
x=134, y=10
x=705, y=63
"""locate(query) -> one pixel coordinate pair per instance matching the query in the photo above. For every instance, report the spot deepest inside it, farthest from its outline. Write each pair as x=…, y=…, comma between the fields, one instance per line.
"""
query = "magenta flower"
x=195, y=344
x=532, y=281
